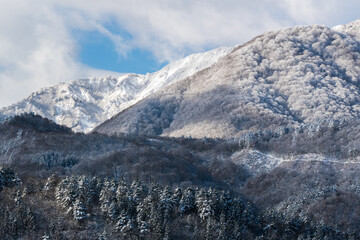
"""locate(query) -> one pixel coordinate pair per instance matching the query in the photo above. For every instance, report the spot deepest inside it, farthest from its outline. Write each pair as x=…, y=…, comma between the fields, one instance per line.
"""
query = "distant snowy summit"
x=85, y=103
x=290, y=76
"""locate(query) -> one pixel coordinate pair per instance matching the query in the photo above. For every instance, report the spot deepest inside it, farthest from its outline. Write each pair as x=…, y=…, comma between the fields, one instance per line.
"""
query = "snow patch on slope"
x=256, y=161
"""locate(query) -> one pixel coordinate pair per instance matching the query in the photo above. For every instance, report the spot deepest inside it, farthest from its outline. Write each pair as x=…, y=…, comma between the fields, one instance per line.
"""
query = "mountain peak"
x=287, y=77
x=85, y=103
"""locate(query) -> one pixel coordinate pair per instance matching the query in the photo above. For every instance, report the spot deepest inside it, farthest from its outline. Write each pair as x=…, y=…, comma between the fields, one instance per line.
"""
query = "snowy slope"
x=83, y=104
x=286, y=77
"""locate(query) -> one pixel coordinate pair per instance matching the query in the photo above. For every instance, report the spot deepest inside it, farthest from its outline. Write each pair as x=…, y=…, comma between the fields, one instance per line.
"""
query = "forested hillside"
x=63, y=185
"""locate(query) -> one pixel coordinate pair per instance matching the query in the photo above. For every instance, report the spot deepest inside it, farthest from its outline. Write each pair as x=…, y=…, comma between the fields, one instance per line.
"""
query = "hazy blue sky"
x=43, y=42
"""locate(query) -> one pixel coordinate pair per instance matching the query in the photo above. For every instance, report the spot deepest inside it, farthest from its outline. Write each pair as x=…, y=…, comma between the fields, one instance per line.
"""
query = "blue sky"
x=45, y=42
x=98, y=51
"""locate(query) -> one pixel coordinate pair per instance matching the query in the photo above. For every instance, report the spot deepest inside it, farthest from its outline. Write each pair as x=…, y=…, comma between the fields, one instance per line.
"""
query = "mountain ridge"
x=285, y=77
x=85, y=103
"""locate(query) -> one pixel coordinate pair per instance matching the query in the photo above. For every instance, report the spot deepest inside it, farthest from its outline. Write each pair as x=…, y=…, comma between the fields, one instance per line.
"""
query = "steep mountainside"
x=84, y=104
x=287, y=77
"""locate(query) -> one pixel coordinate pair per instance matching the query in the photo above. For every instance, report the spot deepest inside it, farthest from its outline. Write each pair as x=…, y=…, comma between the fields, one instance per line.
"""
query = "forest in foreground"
x=81, y=207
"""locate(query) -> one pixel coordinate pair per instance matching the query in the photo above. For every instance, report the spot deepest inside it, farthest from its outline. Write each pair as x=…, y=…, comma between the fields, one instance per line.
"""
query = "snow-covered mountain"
x=84, y=104
x=291, y=76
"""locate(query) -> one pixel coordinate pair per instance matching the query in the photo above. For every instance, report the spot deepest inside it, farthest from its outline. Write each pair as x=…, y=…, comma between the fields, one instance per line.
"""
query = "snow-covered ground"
x=258, y=162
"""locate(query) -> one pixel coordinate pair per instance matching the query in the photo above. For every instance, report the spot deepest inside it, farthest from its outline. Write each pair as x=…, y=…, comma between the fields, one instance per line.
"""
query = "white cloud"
x=37, y=48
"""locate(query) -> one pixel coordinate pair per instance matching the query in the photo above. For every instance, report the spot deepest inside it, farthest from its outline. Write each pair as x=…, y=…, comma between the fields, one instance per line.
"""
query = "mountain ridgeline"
x=83, y=104
x=287, y=77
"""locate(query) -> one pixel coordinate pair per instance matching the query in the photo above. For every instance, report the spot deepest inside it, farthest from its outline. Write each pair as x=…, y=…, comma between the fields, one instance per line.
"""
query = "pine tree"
x=226, y=201
x=67, y=193
x=121, y=222
x=166, y=231
x=93, y=191
x=104, y=236
x=156, y=221
x=166, y=205
x=107, y=196
x=204, y=204
x=209, y=229
x=83, y=187
x=51, y=182
x=18, y=198
x=176, y=198
x=79, y=210
x=122, y=196
x=143, y=214
x=8, y=177
x=113, y=211
x=30, y=220
x=137, y=191
x=222, y=227
x=187, y=202
x=197, y=233
x=319, y=230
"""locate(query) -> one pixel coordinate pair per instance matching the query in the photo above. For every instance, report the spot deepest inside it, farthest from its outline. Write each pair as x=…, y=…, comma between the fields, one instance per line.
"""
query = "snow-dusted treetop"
x=352, y=28
x=83, y=104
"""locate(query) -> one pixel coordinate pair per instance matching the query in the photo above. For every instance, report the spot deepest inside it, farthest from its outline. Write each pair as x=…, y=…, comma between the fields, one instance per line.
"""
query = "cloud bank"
x=38, y=48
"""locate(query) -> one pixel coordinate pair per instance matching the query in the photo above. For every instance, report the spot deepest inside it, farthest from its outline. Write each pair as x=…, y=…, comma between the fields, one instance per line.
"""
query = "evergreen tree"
x=113, y=211
x=104, y=236
x=122, y=196
x=121, y=222
x=197, y=232
x=222, y=227
x=204, y=204
x=177, y=196
x=67, y=193
x=209, y=229
x=187, y=202
x=93, y=191
x=107, y=196
x=8, y=177
x=143, y=215
x=79, y=211
x=156, y=221
x=51, y=182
